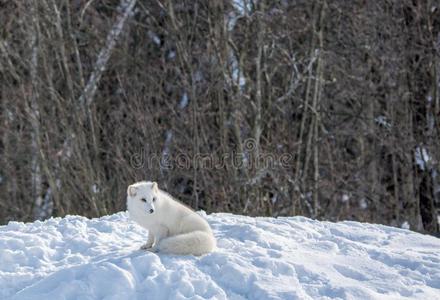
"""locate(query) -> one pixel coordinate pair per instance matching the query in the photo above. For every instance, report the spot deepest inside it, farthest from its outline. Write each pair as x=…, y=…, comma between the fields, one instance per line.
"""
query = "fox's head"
x=143, y=197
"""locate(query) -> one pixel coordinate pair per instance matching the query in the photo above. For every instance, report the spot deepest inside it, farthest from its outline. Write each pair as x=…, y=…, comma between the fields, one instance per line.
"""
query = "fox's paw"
x=146, y=247
x=153, y=249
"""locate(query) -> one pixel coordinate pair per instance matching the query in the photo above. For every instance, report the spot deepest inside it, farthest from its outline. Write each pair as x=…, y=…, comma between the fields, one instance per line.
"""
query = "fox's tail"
x=196, y=243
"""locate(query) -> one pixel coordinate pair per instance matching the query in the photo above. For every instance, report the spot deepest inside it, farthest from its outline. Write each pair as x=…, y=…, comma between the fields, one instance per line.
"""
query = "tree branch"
x=126, y=7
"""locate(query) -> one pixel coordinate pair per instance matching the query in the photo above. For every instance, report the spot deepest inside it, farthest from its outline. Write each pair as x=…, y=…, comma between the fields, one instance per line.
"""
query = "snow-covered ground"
x=257, y=258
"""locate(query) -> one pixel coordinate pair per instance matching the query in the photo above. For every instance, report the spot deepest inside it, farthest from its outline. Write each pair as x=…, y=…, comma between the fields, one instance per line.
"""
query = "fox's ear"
x=131, y=191
x=154, y=187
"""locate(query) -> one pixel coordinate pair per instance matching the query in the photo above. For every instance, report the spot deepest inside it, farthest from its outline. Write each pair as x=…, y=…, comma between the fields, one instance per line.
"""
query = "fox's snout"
x=148, y=205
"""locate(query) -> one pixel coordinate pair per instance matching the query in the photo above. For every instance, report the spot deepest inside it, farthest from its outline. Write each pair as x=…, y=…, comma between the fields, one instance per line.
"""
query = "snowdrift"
x=257, y=258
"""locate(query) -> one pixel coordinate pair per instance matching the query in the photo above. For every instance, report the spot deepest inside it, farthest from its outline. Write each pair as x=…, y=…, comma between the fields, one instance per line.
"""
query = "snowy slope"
x=257, y=258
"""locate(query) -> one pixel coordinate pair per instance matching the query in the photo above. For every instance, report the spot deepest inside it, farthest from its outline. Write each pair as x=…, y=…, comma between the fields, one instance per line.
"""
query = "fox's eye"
x=144, y=200
x=154, y=199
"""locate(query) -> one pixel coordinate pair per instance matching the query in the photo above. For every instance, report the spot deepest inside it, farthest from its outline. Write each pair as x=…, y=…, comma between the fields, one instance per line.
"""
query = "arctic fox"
x=172, y=227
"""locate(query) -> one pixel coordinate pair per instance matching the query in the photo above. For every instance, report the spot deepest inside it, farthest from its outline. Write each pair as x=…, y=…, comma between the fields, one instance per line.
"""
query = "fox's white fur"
x=172, y=227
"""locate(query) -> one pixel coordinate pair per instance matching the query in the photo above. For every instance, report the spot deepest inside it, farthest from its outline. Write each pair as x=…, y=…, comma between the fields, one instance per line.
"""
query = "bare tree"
x=98, y=94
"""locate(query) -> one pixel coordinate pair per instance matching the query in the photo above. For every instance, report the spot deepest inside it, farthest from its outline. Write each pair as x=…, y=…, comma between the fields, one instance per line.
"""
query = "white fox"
x=172, y=227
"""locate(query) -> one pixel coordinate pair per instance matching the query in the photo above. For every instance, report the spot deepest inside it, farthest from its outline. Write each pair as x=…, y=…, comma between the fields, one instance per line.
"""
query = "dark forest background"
x=349, y=90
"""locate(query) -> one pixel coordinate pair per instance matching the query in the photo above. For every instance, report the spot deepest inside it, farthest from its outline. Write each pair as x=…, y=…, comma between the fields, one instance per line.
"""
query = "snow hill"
x=257, y=258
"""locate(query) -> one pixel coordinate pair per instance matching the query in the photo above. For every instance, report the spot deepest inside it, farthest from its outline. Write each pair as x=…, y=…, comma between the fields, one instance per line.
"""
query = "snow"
x=237, y=75
x=172, y=54
x=257, y=258
x=382, y=120
x=345, y=198
x=183, y=101
x=95, y=188
x=422, y=158
x=242, y=6
x=405, y=225
x=363, y=203
x=154, y=37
